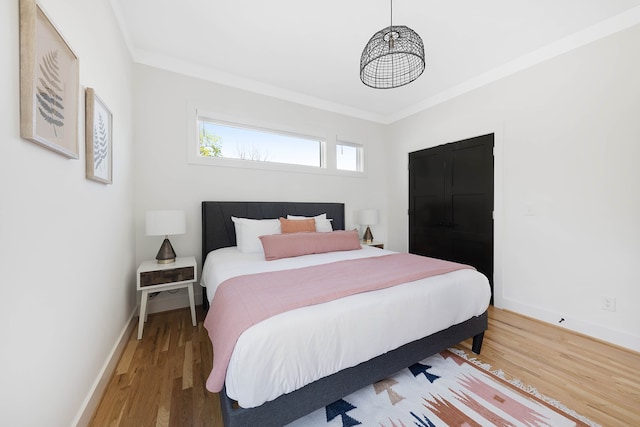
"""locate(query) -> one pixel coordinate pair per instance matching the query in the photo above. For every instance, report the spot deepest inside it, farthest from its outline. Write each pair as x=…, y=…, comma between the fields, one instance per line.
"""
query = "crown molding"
x=596, y=32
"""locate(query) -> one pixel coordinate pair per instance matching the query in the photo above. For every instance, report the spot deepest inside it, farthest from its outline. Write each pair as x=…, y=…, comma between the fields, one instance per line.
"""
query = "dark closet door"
x=451, y=202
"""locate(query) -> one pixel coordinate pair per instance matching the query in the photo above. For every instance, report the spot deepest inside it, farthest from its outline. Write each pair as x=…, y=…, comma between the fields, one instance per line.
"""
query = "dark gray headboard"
x=218, y=230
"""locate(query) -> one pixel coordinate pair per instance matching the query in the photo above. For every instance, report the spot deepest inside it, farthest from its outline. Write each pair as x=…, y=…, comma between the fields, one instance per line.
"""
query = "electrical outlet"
x=608, y=303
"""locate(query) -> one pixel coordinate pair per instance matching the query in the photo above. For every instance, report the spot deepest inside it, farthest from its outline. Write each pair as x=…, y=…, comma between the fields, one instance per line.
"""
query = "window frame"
x=327, y=145
x=359, y=155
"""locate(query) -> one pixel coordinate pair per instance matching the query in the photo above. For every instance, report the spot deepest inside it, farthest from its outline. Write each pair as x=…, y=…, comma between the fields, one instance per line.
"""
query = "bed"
x=219, y=232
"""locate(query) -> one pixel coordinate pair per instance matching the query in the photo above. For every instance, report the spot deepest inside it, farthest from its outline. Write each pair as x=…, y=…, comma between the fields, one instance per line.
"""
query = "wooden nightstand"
x=374, y=244
x=154, y=277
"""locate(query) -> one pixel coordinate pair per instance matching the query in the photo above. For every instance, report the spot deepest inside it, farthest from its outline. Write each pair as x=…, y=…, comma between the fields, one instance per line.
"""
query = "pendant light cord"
x=391, y=41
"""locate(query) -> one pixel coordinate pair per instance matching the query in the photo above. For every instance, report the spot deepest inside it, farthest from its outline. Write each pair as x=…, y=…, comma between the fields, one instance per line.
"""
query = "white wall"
x=567, y=228
x=66, y=243
x=567, y=138
x=165, y=180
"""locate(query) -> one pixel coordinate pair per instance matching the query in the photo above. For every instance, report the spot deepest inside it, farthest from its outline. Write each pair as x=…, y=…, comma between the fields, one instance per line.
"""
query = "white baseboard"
x=593, y=330
x=163, y=302
x=92, y=401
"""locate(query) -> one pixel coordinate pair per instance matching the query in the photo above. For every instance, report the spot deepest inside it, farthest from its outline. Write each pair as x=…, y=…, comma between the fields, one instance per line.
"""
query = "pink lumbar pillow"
x=277, y=246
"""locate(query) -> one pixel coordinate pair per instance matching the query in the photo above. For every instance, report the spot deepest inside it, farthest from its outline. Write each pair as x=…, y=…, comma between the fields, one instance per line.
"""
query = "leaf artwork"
x=100, y=143
x=49, y=91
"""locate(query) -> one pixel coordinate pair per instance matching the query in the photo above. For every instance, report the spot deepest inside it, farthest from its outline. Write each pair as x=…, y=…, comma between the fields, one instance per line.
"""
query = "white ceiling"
x=309, y=52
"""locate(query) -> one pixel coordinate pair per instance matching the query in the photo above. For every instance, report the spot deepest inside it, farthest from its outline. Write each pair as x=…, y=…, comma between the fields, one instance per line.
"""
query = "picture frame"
x=49, y=83
x=98, y=138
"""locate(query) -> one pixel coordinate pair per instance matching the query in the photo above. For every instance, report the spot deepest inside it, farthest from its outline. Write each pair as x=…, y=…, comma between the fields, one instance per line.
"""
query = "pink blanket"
x=244, y=301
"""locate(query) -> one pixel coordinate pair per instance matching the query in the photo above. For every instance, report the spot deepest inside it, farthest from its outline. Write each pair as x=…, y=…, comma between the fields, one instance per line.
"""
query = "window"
x=348, y=156
x=243, y=142
x=221, y=140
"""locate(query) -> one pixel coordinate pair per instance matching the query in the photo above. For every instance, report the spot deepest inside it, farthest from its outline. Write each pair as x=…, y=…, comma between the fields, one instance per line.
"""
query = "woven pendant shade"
x=393, y=57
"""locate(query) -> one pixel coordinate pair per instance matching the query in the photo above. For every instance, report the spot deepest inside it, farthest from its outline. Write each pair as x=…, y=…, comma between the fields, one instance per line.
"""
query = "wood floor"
x=159, y=380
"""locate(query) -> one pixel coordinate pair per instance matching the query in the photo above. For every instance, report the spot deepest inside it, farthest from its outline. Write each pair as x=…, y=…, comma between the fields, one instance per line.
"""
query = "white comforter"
x=293, y=349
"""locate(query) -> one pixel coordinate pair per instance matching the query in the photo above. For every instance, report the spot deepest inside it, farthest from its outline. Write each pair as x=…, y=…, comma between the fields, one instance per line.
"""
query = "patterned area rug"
x=446, y=389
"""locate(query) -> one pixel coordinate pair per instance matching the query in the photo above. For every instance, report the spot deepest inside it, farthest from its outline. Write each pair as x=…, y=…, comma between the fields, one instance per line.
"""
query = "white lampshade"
x=165, y=223
x=368, y=217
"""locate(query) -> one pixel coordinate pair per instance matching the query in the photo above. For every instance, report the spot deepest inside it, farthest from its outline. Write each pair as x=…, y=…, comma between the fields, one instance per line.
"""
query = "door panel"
x=431, y=212
x=427, y=223
x=451, y=202
x=470, y=213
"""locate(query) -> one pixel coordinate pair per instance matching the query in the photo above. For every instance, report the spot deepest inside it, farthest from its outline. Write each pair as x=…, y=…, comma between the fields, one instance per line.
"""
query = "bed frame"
x=218, y=232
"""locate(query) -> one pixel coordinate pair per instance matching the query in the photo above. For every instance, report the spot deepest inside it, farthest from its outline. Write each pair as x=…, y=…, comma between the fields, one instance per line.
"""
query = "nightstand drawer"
x=159, y=277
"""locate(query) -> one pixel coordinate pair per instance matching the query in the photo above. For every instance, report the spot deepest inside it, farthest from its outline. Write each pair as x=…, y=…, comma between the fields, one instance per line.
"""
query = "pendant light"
x=393, y=57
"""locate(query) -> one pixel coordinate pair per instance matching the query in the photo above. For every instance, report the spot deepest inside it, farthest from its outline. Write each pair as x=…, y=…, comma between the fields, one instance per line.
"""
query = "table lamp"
x=368, y=217
x=165, y=223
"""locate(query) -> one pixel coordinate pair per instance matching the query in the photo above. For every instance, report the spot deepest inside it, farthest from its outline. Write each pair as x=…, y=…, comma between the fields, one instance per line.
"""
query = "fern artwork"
x=49, y=83
x=100, y=144
x=98, y=139
x=49, y=92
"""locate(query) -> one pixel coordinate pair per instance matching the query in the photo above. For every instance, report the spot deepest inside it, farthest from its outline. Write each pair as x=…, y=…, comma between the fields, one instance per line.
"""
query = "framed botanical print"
x=98, y=139
x=49, y=83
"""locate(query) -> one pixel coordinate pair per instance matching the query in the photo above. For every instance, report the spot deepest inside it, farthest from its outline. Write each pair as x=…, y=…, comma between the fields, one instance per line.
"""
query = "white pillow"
x=323, y=225
x=248, y=232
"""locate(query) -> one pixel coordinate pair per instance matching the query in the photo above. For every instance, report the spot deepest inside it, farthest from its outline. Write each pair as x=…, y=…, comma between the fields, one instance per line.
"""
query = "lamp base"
x=368, y=235
x=166, y=254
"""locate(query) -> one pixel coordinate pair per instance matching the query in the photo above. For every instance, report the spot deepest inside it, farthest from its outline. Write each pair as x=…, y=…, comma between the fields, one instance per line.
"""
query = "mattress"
x=293, y=349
